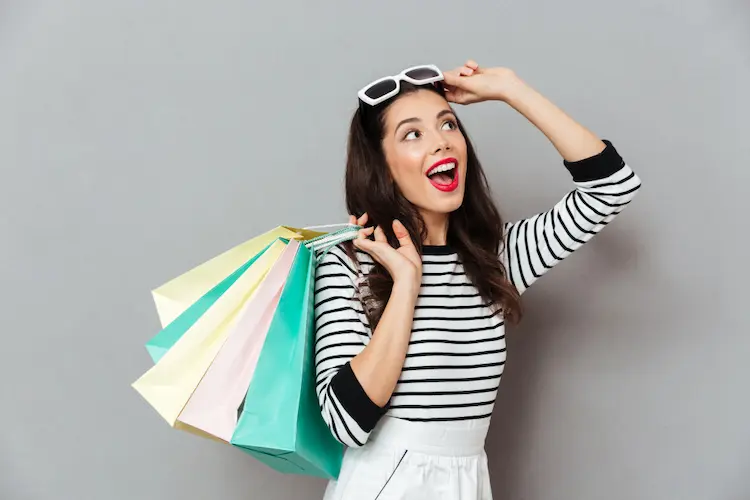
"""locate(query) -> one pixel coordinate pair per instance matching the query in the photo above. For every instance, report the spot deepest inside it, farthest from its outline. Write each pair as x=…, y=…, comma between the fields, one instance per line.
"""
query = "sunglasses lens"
x=422, y=73
x=380, y=89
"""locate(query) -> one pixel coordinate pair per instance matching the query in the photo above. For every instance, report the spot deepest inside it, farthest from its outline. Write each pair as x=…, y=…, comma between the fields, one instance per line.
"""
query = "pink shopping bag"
x=213, y=407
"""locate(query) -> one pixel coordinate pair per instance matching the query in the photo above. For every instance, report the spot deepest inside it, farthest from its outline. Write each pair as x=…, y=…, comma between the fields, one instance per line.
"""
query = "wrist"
x=514, y=92
x=407, y=286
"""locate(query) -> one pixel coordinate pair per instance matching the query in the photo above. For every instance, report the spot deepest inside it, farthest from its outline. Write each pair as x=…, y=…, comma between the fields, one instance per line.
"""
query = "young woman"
x=410, y=342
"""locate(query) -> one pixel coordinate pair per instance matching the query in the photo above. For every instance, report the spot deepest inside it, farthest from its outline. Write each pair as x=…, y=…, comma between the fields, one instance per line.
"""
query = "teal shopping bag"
x=160, y=343
x=280, y=422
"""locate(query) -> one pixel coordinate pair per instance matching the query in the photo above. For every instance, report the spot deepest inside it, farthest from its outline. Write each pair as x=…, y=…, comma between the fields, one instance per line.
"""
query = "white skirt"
x=415, y=461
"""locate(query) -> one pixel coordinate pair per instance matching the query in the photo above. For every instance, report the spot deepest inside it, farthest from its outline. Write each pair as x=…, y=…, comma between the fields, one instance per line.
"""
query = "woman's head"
x=396, y=151
x=424, y=149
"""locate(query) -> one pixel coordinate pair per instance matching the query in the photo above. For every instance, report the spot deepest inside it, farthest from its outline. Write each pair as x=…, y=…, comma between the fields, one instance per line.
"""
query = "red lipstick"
x=453, y=184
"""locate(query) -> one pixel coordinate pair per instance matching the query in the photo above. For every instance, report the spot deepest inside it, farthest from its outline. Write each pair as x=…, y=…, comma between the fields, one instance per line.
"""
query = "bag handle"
x=326, y=226
x=329, y=240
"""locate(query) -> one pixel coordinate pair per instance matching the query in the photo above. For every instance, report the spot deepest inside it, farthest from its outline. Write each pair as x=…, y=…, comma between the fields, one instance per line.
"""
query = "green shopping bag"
x=280, y=422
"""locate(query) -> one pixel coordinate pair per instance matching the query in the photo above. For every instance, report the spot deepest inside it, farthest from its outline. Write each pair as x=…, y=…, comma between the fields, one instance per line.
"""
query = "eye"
x=412, y=134
x=450, y=125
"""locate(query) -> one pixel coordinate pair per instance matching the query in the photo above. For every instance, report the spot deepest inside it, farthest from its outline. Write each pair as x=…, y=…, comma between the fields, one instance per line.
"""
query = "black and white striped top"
x=457, y=349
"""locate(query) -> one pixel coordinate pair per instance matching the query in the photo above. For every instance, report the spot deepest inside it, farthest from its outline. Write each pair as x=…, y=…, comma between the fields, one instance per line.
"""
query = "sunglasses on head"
x=384, y=88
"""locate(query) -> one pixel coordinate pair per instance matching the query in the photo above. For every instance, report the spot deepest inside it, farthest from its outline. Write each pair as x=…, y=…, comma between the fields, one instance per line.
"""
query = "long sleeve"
x=605, y=184
x=342, y=331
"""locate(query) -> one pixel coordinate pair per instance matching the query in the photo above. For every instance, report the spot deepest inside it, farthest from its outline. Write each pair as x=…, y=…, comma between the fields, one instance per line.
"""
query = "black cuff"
x=355, y=400
x=599, y=166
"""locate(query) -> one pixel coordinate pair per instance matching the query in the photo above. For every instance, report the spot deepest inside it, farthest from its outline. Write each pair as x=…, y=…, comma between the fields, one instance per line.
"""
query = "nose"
x=441, y=144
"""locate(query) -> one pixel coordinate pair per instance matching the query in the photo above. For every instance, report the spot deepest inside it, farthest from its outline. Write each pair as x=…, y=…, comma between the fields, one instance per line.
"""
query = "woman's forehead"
x=422, y=105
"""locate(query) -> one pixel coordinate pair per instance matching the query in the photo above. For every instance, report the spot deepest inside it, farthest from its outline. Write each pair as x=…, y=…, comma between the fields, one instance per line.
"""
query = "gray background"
x=140, y=138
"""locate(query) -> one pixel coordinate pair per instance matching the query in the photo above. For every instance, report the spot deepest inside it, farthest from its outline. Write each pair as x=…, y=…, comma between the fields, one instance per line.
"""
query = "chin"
x=446, y=206
x=452, y=207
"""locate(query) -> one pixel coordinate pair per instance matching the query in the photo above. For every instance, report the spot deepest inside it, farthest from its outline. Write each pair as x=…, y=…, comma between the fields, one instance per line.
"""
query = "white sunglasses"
x=384, y=88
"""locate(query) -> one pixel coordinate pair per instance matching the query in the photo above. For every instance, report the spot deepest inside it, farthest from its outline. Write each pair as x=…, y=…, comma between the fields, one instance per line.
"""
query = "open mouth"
x=444, y=174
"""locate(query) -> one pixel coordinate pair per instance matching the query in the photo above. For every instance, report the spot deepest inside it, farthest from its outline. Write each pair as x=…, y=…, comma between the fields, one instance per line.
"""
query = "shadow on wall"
x=592, y=325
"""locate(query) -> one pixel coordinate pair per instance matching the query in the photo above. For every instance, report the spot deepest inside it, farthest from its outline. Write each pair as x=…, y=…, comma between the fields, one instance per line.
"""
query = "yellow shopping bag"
x=175, y=296
x=168, y=385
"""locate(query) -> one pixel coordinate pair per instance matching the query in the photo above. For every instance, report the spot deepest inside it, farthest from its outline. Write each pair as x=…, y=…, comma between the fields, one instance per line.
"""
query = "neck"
x=437, y=229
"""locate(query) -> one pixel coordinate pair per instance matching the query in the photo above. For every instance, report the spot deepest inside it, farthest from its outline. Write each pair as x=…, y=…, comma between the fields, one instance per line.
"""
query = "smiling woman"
x=396, y=150
x=410, y=318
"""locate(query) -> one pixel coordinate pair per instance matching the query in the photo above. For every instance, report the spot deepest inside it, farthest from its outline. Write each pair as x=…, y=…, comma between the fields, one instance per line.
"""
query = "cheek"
x=460, y=145
x=460, y=151
x=406, y=163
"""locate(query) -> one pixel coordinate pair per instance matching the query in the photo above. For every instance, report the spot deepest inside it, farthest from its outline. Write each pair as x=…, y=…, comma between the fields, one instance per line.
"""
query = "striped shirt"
x=456, y=352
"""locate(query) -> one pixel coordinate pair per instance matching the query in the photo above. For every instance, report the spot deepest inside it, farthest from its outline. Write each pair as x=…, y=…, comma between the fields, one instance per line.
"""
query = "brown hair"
x=475, y=229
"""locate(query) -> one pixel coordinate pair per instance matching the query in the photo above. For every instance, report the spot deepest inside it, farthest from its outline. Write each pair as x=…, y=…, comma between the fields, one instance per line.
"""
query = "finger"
x=361, y=243
x=363, y=219
x=451, y=78
x=471, y=63
x=403, y=236
x=371, y=247
x=455, y=97
x=352, y=220
x=380, y=235
x=365, y=233
x=466, y=71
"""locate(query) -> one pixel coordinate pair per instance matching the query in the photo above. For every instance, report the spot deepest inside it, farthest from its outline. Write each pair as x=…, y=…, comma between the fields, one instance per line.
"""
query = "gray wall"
x=140, y=138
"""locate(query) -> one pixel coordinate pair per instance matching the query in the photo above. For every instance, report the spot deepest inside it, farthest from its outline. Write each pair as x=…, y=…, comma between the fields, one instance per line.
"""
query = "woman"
x=410, y=342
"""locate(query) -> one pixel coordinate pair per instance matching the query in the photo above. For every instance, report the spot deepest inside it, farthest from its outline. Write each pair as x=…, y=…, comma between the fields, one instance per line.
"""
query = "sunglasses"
x=384, y=88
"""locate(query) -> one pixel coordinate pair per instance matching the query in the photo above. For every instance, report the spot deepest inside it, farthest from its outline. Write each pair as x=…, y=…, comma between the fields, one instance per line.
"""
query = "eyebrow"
x=442, y=113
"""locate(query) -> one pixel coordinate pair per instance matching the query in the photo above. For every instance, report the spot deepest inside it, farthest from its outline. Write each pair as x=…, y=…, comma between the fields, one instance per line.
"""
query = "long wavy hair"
x=475, y=229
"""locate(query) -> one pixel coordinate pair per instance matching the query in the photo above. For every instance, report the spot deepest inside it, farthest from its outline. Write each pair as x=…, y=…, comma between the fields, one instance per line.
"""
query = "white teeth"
x=443, y=168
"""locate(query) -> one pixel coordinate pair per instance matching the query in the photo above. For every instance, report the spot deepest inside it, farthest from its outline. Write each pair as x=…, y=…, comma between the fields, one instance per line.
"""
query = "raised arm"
x=604, y=183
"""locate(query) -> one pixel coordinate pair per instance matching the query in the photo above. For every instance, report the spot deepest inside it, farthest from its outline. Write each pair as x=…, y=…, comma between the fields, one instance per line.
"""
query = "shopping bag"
x=177, y=300
x=212, y=409
x=170, y=334
x=175, y=296
x=168, y=385
x=280, y=422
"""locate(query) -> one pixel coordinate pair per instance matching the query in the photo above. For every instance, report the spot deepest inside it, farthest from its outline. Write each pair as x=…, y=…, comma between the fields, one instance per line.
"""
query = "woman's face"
x=426, y=152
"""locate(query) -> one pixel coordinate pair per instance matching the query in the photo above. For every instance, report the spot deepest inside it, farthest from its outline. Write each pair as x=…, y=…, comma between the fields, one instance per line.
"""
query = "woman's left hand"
x=469, y=84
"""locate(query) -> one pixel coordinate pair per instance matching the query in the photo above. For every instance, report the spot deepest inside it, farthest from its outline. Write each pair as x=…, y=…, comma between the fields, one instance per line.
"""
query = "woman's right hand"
x=403, y=263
